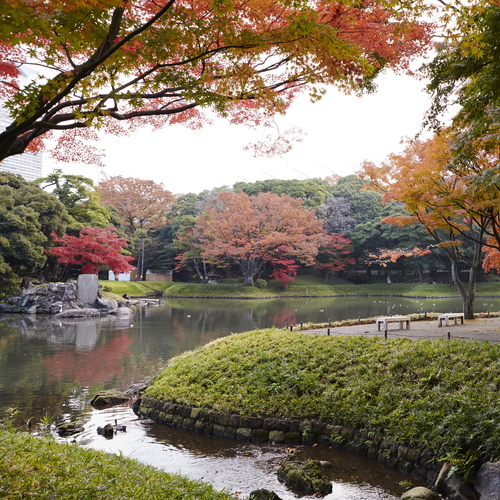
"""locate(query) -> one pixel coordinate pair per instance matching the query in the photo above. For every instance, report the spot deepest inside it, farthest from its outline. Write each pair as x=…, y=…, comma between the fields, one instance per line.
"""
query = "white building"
x=29, y=165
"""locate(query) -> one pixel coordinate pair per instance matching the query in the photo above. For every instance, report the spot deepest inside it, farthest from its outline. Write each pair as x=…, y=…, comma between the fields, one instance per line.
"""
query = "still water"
x=52, y=366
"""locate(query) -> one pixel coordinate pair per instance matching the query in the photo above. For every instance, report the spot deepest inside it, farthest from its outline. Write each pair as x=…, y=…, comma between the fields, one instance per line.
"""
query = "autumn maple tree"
x=93, y=248
x=114, y=66
x=335, y=255
x=437, y=195
x=141, y=204
x=258, y=231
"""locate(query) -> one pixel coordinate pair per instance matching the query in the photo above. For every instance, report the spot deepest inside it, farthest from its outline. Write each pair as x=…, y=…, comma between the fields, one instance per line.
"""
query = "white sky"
x=341, y=132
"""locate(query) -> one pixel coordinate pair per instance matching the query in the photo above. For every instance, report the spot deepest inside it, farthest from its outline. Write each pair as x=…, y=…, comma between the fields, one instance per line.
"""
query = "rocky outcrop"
x=263, y=494
x=419, y=493
x=63, y=300
x=69, y=429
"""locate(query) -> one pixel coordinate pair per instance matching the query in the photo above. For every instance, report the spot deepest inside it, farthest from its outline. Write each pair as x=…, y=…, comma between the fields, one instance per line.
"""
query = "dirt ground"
x=485, y=329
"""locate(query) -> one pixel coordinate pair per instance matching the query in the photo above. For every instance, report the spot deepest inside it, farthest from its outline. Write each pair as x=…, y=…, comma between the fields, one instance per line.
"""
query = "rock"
x=443, y=474
x=488, y=481
x=419, y=493
x=263, y=495
x=456, y=489
x=7, y=308
x=136, y=389
x=79, y=313
x=109, y=398
x=108, y=304
x=307, y=476
x=68, y=429
x=87, y=286
x=122, y=312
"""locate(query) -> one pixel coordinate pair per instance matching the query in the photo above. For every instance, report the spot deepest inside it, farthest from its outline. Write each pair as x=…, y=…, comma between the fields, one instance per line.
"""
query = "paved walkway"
x=486, y=329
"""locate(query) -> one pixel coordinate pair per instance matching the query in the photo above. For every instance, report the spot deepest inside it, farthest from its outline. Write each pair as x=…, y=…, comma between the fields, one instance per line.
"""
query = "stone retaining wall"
x=422, y=465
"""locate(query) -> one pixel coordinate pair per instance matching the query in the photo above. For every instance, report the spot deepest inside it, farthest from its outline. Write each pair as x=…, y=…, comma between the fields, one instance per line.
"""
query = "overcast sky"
x=340, y=133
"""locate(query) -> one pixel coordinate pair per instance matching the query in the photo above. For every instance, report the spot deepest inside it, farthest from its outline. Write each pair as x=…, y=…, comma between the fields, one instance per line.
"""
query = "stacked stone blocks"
x=420, y=464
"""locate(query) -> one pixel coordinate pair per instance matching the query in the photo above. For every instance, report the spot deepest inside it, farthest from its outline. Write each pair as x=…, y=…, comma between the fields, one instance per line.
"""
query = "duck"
x=116, y=427
x=107, y=430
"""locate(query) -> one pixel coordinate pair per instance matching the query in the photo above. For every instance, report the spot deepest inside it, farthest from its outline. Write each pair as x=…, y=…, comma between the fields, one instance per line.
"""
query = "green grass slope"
x=437, y=394
x=34, y=467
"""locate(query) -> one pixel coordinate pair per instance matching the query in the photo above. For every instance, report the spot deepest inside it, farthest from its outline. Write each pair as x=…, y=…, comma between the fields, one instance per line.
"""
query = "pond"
x=51, y=366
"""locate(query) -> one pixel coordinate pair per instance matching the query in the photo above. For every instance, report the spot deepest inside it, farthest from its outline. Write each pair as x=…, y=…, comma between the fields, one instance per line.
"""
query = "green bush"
x=260, y=283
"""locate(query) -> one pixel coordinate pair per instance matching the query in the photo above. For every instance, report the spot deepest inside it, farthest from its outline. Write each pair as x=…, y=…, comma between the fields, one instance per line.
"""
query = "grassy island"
x=304, y=286
x=34, y=467
x=437, y=394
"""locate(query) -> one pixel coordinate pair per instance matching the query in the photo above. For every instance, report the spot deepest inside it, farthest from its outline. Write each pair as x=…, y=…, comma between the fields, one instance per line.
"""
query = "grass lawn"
x=34, y=467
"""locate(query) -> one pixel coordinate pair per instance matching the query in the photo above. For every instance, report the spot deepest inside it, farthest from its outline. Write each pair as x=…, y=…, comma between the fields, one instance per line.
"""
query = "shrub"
x=260, y=283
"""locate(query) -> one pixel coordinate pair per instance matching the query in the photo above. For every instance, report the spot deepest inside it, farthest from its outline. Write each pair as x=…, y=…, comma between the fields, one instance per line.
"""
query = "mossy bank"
x=437, y=396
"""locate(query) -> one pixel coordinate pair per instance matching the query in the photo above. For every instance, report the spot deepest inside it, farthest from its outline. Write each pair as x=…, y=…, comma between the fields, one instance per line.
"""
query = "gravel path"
x=485, y=329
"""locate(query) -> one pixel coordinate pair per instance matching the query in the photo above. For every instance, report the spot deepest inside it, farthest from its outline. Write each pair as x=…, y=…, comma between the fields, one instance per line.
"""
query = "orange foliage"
x=140, y=203
x=253, y=231
x=384, y=257
x=421, y=179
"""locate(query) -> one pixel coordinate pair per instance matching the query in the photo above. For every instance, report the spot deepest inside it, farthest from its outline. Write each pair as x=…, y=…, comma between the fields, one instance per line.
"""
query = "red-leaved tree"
x=256, y=232
x=335, y=256
x=93, y=248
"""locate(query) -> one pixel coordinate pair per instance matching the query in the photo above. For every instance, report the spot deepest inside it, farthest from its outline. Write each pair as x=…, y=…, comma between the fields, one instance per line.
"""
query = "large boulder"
x=419, y=493
x=307, y=476
x=87, y=289
x=88, y=312
x=109, y=398
x=106, y=304
x=488, y=481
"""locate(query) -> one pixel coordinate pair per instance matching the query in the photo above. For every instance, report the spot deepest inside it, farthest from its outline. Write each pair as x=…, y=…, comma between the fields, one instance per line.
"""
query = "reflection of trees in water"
x=284, y=316
x=23, y=375
x=101, y=365
x=47, y=365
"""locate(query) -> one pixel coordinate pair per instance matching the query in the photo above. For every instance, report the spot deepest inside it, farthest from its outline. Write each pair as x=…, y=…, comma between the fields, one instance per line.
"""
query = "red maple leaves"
x=93, y=248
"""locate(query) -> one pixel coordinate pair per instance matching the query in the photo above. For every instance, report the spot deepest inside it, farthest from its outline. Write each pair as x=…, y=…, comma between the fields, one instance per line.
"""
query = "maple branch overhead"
x=203, y=54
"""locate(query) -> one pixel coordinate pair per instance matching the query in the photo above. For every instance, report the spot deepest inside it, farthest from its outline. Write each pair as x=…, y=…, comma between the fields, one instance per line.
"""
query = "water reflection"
x=51, y=366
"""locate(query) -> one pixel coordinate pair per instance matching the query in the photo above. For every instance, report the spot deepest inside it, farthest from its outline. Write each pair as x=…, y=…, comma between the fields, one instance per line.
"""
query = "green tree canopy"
x=365, y=202
x=313, y=192
x=80, y=198
x=466, y=70
x=28, y=216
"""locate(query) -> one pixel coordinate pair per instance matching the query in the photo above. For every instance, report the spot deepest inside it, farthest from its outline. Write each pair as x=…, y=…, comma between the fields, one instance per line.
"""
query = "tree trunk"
x=420, y=272
x=203, y=276
x=467, y=297
x=248, y=280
